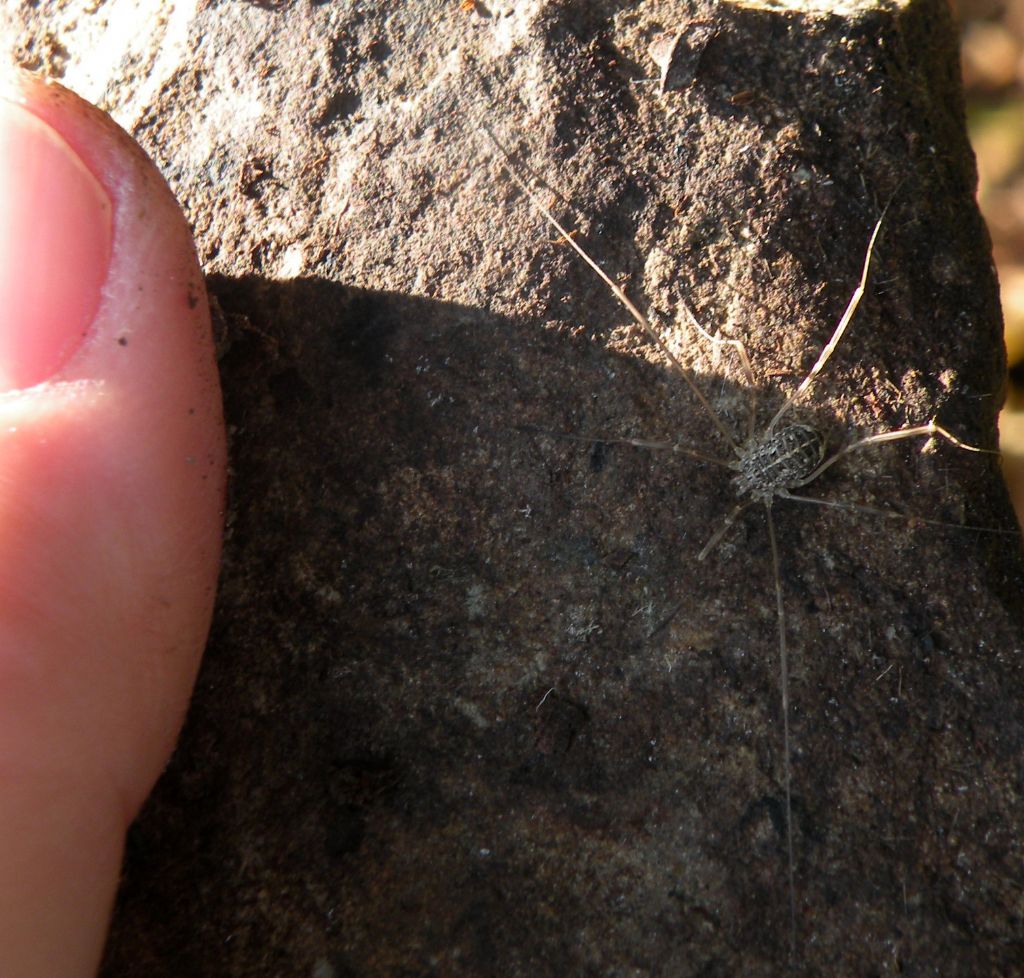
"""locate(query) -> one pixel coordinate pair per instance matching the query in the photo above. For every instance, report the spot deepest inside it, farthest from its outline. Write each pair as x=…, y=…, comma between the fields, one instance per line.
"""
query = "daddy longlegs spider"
x=768, y=465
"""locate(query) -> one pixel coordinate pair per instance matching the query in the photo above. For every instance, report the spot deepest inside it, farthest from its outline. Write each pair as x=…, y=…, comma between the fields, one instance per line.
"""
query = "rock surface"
x=471, y=705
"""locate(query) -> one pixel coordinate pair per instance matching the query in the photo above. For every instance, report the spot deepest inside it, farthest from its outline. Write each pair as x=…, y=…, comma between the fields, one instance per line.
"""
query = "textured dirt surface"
x=471, y=706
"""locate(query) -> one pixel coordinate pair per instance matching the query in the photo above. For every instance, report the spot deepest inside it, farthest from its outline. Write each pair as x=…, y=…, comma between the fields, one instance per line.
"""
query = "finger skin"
x=111, y=503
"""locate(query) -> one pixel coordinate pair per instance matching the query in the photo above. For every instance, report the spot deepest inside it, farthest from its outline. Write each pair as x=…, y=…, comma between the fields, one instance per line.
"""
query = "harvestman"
x=768, y=465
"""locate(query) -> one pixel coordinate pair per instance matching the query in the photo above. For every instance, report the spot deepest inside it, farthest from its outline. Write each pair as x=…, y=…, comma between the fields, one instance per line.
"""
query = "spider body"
x=779, y=460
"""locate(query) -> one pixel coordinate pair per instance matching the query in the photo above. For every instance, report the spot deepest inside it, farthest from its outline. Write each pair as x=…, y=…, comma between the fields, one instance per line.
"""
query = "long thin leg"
x=852, y=507
x=721, y=531
x=914, y=431
x=741, y=353
x=640, y=318
x=672, y=446
x=837, y=335
x=784, y=685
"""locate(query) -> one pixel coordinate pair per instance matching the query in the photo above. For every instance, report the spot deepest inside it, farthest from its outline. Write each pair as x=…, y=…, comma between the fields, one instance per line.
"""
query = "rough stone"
x=471, y=705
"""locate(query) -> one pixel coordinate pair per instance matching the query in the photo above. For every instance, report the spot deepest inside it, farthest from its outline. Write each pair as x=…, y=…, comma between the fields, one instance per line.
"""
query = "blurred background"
x=992, y=54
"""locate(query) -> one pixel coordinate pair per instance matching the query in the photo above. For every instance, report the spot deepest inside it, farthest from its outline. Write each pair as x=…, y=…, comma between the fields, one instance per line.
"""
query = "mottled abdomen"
x=783, y=459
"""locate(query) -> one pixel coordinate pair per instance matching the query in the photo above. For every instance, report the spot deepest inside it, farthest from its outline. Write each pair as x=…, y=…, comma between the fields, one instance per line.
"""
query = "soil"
x=471, y=705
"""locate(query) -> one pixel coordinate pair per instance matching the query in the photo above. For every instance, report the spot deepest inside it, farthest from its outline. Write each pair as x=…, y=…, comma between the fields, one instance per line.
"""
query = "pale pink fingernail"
x=55, y=241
